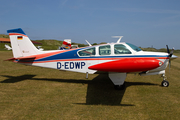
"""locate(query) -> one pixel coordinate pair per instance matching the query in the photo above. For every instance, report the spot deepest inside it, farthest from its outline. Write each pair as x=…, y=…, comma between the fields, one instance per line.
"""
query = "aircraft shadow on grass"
x=100, y=90
x=14, y=79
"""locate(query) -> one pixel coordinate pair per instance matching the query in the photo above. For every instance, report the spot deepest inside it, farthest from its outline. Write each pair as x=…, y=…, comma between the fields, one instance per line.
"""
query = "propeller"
x=165, y=83
x=170, y=55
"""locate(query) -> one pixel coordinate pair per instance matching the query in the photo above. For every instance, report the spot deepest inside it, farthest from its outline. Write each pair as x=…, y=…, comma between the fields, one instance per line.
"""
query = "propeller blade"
x=167, y=49
x=170, y=57
x=169, y=66
x=171, y=53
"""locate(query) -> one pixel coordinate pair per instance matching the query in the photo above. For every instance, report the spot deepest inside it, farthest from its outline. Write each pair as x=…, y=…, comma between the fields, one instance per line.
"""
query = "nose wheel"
x=164, y=83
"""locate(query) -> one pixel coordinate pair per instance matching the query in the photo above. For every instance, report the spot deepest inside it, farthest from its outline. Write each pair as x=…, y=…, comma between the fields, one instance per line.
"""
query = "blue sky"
x=144, y=23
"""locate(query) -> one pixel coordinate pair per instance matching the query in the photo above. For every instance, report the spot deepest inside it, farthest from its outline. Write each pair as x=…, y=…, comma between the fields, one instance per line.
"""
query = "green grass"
x=4, y=36
x=28, y=92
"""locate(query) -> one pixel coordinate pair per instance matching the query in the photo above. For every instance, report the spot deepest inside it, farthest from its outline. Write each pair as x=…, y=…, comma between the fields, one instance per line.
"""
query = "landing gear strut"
x=164, y=83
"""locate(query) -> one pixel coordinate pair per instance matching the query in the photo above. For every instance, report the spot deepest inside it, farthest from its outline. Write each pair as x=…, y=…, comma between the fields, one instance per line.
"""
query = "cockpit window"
x=134, y=47
x=87, y=52
x=121, y=49
x=105, y=50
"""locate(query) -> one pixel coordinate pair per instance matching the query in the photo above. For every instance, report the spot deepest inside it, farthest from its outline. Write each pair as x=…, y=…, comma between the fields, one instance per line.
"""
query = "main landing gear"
x=164, y=83
x=118, y=80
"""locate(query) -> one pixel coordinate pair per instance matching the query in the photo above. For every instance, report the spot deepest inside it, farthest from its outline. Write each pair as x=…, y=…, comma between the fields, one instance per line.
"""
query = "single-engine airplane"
x=7, y=47
x=116, y=59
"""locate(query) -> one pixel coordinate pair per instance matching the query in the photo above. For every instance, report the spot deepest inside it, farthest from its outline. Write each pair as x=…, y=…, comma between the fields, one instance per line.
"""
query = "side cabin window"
x=105, y=50
x=87, y=52
x=121, y=49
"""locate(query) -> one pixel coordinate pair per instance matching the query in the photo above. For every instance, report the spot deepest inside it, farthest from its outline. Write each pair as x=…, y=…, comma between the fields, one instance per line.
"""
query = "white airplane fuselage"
x=71, y=60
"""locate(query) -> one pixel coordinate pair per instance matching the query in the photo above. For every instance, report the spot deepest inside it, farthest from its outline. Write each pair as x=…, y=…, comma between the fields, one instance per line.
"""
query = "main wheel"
x=165, y=83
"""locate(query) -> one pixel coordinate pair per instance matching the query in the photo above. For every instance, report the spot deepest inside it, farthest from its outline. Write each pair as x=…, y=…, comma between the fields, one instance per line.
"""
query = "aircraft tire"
x=165, y=83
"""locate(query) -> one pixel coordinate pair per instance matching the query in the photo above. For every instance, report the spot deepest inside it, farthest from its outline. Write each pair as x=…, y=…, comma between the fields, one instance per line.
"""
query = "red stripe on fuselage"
x=17, y=34
x=89, y=59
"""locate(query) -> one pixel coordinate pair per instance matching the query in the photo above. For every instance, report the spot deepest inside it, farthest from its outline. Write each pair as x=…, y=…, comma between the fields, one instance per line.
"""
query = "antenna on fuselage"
x=118, y=37
x=88, y=43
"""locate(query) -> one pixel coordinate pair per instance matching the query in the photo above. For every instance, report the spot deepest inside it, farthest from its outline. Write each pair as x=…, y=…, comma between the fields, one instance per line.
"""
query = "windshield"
x=134, y=47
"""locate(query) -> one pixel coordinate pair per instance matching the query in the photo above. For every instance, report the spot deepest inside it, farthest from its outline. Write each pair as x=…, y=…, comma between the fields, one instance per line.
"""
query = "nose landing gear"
x=164, y=83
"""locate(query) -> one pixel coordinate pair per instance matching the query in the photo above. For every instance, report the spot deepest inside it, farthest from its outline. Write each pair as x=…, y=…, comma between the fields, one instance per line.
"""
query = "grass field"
x=28, y=92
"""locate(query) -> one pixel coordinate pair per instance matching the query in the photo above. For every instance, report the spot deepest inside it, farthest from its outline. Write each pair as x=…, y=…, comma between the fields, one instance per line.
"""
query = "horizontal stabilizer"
x=10, y=59
x=22, y=58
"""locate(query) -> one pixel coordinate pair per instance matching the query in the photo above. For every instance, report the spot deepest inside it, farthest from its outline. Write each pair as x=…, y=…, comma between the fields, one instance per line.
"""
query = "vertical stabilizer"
x=21, y=44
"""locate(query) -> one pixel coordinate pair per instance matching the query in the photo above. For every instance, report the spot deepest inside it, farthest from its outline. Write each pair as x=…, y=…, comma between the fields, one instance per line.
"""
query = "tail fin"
x=66, y=44
x=21, y=44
